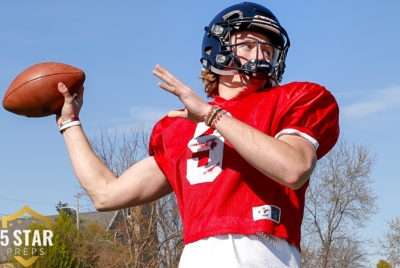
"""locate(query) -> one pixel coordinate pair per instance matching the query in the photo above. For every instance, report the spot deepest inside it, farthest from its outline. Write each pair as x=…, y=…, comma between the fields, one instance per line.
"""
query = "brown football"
x=34, y=93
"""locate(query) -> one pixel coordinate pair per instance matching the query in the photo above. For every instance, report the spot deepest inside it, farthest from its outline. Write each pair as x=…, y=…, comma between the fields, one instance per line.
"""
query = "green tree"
x=383, y=264
x=65, y=207
x=90, y=247
x=60, y=254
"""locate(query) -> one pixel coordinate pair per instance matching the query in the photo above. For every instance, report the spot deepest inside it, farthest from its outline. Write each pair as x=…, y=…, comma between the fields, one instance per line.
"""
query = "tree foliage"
x=383, y=264
x=391, y=243
x=339, y=201
x=60, y=254
x=90, y=247
x=67, y=210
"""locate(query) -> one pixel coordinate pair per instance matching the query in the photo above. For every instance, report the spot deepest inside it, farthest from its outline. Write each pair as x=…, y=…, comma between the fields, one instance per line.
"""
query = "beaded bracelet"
x=213, y=107
x=217, y=117
x=211, y=113
x=215, y=112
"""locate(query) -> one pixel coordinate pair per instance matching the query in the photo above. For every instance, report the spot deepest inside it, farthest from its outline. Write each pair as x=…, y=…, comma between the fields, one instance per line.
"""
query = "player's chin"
x=258, y=80
x=255, y=77
x=259, y=76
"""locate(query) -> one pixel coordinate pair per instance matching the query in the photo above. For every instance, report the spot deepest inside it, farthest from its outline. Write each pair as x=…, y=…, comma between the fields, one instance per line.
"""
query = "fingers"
x=188, y=97
x=80, y=93
x=172, y=84
x=72, y=104
x=79, y=96
x=182, y=114
x=164, y=86
x=161, y=70
x=62, y=88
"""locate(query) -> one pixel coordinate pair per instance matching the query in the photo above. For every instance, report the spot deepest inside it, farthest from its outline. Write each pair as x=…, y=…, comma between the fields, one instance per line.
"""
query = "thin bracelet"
x=217, y=117
x=74, y=121
x=213, y=116
x=210, y=112
x=215, y=110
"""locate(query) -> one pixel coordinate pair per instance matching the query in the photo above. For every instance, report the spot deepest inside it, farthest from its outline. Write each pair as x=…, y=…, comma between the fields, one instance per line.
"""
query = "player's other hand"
x=72, y=104
x=196, y=108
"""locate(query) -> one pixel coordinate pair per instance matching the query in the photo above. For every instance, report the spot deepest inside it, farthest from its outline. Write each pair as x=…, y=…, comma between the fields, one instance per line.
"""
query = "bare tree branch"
x=152, y=232
x=339, y=201
x=391, y=242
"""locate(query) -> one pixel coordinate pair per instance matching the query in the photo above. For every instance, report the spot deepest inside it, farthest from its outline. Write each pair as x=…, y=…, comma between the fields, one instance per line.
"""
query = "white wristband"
x=69, y=123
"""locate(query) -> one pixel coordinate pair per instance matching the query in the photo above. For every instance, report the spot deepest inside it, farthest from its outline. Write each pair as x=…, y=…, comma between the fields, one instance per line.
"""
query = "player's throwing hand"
x=72, y=104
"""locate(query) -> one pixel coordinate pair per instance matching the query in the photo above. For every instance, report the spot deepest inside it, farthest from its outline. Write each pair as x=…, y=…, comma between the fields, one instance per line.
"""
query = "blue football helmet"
x=217, y=49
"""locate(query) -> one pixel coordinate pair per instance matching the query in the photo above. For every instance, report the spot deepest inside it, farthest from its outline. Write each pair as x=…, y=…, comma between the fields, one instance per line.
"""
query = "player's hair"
x=210, y=81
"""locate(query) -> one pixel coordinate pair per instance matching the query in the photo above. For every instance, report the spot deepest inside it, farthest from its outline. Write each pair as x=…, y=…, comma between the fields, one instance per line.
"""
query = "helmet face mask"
x=264, y=68
x=218, y=51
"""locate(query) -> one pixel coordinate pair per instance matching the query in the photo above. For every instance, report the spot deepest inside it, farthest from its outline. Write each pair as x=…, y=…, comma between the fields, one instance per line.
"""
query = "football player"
x=239, y=165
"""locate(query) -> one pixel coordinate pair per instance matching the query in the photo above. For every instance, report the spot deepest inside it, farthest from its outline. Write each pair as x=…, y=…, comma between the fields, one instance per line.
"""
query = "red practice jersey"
x=218, y=192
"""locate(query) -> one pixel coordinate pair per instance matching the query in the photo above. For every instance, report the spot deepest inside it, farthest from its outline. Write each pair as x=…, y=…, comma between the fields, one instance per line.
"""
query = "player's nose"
x=257, y=53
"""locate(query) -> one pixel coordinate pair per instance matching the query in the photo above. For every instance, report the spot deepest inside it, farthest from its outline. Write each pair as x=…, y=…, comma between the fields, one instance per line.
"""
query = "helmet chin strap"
x=224, y=72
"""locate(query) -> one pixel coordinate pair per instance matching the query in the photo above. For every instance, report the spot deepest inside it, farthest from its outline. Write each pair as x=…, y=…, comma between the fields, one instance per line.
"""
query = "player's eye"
x=246, y=46
x=267, y=53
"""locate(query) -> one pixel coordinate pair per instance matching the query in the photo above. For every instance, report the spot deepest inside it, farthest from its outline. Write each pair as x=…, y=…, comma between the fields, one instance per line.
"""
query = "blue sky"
x=350, y=47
